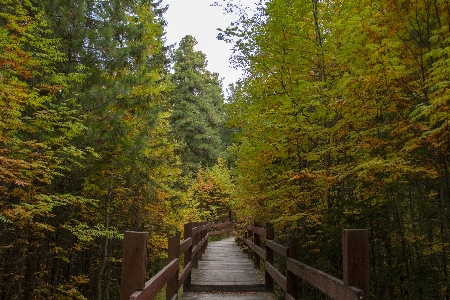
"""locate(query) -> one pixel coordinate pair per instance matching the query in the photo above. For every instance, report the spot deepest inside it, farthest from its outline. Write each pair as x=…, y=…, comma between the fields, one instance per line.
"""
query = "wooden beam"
x=187, y=257
x=268, y=280
x=173, y=253
x=327, y=284
x=157, y=282
x=278, y=248
x=276, y=275
x=185, y=245
x=134, y=263
x=256, y=249
x=355, y=244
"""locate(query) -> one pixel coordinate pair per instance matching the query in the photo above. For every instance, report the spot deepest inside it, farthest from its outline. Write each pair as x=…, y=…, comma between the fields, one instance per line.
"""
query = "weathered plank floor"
x=226, y=273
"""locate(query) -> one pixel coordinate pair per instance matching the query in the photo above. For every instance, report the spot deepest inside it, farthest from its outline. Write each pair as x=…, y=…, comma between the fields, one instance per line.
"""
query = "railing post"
x=355, y=246
x=195, y=243
x=291, y=279
x=187, y=256
x=173, y=253
x=249, y=251
x=200, y=238
x=270, y=235
x=205, y=233
x=134, y=263
x=257, y=242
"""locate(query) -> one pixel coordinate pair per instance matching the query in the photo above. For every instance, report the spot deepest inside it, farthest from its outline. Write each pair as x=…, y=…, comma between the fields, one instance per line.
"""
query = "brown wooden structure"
x=354, y=286
x=133, y=285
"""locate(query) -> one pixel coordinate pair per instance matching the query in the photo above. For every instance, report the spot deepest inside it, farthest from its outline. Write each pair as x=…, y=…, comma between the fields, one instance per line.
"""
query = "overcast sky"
x=201, y=20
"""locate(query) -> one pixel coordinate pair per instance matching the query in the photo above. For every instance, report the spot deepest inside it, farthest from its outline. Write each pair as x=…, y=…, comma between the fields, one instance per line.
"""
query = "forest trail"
x=225, y=272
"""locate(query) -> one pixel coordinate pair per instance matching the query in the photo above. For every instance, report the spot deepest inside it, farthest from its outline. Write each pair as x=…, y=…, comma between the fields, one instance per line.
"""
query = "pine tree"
x=117, y=46
x=197, y=113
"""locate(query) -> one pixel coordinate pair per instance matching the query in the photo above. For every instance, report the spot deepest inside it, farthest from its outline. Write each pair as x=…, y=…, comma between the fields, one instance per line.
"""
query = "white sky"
x=201, y=20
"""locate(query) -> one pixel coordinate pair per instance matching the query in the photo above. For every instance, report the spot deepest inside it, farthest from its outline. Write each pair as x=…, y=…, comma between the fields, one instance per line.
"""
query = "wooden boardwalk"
x=225, y=272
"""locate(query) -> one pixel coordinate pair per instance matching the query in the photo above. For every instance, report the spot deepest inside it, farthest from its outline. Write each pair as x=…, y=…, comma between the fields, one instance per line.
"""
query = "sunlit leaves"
x=342, y=120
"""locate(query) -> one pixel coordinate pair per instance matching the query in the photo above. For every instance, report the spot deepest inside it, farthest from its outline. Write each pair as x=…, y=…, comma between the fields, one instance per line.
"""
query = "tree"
x=212, y=191
x=117, y=113
x=341, y=122
x=39, y=123
x=197, y=114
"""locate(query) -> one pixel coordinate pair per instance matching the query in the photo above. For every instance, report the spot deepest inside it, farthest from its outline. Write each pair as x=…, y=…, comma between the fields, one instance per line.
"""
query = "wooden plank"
x=261, y=253
x=328, y=284
x=260, y=231
x=184, y=274
x=194, y=251
x=278, y=248
x=236, y=287
x=215, y=232
x=198, y=229
x=198, y=247
x=276, y=275
x=157, y=282
x=185, y=245
x=288, y=296
x=220, y=224
x=257, y=230
x=228, y=296
x=213, y=275
x=225, y=268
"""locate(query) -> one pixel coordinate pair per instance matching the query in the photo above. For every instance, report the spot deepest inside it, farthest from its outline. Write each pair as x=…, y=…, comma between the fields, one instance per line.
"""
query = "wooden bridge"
x=221, y=270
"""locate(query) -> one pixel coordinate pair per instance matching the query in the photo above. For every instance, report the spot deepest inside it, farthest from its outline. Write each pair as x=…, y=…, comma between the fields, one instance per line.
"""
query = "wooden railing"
x=134, y=286
x=354, y=286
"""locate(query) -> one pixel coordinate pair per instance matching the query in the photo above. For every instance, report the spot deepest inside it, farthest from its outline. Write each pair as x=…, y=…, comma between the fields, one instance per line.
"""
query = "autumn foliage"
x=342, y=121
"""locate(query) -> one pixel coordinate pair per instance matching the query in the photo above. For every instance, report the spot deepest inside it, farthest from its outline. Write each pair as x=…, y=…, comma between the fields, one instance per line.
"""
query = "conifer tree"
x=197, y=113
x=117, y=48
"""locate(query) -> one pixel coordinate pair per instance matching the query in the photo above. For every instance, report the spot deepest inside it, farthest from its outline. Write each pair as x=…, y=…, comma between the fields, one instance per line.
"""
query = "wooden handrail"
x=133, y=285
x=329, y=285
x=157, y=282
x=355, y=285
x=355, y=257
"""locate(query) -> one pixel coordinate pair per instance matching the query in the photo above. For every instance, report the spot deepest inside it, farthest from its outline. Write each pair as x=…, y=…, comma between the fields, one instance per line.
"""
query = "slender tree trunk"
x=105, y=245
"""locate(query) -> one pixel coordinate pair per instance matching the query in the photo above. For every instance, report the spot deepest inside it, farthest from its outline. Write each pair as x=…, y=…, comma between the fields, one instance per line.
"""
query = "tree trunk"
x=105, y=245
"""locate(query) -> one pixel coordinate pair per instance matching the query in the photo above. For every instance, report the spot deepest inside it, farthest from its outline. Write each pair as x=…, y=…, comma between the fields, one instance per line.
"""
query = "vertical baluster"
x=355, y=244
x=270, y=235
x=256, y=242
x=173, y=253
x=187, y=256
x=134, y=263
x=291, y=278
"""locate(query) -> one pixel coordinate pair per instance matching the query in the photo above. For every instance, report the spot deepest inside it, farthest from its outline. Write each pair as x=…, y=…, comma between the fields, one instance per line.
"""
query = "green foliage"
x=85, y=147
x=211, y=193
x=341, y=122
x=197, y=113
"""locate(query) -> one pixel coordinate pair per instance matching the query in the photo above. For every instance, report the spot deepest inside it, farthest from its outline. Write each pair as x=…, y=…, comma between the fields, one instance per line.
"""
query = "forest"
x=340, y=120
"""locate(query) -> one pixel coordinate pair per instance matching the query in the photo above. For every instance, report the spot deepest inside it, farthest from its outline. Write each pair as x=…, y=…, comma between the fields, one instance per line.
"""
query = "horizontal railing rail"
x=134, y=286
x=355, y=285
x=221, y=228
